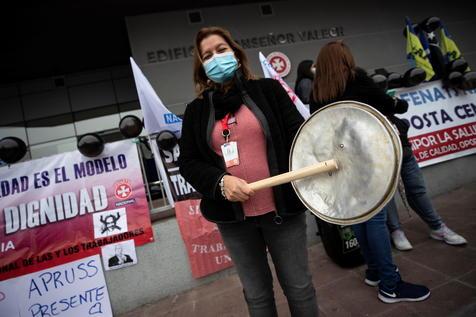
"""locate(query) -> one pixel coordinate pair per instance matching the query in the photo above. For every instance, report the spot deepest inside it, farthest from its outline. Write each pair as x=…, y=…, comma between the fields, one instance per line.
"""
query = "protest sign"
x=442, y=122
x=206, y=251
x=75, y=289
x=65, y=207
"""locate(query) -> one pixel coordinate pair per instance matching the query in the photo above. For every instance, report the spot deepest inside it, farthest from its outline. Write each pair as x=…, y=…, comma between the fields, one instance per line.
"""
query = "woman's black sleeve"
x=305, y=89
x=379, y=99
x=203, y=176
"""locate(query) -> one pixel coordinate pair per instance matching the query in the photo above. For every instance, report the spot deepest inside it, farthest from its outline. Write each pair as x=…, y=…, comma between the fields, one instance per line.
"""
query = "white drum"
x=368, y=153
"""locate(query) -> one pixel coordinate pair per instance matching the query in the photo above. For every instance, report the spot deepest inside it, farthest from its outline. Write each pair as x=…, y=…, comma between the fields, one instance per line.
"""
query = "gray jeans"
x=287, y=244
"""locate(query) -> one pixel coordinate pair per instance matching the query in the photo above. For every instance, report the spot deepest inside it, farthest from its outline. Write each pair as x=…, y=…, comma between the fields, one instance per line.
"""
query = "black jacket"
x=203, y=168
x=362, y=88
x=303, y=89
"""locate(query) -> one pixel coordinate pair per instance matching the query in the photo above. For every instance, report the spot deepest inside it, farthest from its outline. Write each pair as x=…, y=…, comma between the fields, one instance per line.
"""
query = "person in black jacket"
x=239, y=130
x=338, y=78
x=305, y=77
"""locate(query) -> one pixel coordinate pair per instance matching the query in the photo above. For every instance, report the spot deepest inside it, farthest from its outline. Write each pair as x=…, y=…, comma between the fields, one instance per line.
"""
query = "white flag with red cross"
x=269, y=72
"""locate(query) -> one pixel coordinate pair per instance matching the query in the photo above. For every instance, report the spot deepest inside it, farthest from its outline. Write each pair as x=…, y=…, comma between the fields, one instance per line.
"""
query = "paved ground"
x=450, y=273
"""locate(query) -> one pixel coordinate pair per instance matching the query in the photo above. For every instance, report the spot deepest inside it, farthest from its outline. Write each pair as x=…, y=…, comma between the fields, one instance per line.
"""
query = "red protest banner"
x=65, y=207
x=444, y=142
x=206, y=250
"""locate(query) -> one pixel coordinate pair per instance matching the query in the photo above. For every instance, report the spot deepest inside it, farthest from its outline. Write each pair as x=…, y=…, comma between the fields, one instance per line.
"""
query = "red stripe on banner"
x=444, y=142
x=72, y=252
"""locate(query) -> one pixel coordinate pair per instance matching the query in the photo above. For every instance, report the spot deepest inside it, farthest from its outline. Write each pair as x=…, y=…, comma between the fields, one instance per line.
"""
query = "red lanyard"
x=224, y=127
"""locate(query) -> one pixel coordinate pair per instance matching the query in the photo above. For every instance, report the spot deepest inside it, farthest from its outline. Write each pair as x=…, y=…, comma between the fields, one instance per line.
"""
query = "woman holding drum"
x=239, y=130
x=338, y=78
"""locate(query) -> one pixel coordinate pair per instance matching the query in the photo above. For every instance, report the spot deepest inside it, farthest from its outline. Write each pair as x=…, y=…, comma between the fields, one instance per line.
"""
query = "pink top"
x=247, y=132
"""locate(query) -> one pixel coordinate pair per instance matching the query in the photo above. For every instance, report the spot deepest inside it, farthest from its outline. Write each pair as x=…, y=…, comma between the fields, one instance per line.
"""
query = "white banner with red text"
x=442, y=122
x=65, y=207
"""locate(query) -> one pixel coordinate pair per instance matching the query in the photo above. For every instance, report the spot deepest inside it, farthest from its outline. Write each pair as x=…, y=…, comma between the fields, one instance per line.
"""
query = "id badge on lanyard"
x=229, y=149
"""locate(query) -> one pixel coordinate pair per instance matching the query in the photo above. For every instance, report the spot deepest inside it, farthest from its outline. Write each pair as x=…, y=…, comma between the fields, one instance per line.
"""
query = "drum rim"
x=389, y=192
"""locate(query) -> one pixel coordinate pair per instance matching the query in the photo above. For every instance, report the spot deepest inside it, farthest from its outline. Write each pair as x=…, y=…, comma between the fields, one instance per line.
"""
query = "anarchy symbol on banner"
x=109, y=223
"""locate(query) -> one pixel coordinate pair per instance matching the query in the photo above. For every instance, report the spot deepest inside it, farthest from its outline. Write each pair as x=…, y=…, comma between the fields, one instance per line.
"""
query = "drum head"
x=368, y=153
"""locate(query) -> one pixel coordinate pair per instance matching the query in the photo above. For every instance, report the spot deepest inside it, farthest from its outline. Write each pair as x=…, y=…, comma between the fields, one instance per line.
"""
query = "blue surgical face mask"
x=221, y=67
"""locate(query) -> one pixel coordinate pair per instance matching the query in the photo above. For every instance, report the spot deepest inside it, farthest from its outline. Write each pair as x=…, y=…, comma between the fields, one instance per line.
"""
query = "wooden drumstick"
x=321, y=167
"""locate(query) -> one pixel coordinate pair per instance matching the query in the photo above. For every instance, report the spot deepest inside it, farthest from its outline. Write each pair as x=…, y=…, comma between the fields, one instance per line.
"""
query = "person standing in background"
x=303, y=85
x=338, y=78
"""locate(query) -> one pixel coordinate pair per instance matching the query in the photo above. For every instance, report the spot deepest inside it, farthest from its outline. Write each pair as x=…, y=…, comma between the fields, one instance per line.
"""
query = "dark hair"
x=200, y=79
x=335, y=65
x=304, y=71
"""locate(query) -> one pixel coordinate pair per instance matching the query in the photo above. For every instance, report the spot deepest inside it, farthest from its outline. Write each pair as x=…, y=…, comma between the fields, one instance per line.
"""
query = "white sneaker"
x=400, y=240
x=447, y=235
